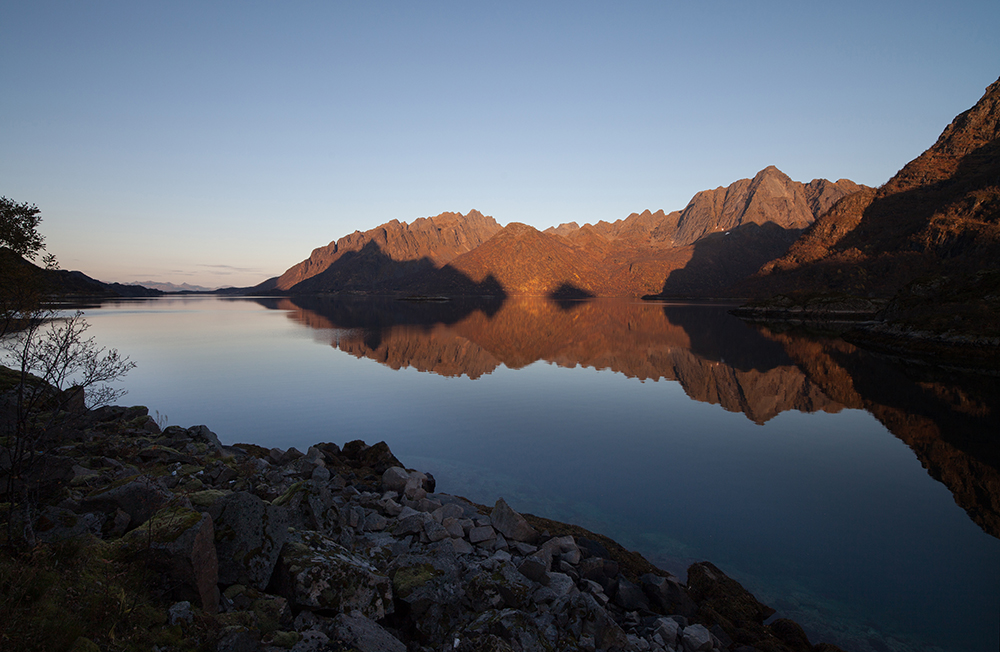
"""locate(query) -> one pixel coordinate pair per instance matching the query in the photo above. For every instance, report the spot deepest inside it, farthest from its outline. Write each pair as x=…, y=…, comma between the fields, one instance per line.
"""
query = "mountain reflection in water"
x=713, y=355
x=950, y=421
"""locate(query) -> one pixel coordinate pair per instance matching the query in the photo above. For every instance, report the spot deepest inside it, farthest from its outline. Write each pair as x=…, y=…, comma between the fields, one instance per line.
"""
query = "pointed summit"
x=940, y=214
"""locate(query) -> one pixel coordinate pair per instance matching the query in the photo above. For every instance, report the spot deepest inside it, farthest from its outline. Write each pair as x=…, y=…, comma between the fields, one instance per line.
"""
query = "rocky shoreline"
x=241, y=548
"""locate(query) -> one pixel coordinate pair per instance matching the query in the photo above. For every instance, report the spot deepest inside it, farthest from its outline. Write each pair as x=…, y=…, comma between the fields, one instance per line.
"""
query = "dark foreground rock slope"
x=142, y=539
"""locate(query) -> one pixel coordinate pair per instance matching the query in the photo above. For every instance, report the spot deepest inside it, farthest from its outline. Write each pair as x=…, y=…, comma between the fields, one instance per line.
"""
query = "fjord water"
x=858, y=497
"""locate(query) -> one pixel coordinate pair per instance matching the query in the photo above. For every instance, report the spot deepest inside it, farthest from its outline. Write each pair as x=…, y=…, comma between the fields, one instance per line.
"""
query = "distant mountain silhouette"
x=164, y=286
x=63, y=283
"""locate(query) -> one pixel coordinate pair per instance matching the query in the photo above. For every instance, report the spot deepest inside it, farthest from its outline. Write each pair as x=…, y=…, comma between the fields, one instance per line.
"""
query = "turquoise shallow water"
x=676, y=430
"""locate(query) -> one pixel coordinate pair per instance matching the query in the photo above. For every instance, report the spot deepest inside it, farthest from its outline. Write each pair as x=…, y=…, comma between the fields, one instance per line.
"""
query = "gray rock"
x=409, y=525
x=312, y=640
x=507, y=629
x=180, y=544
x=534, y=569
x=58, y=524
x=668, y=629
x=454, y=528
x=394, y=479
x=460, y=546
x=511, y=524
x=202, y=433
x=375, y=522
x=392, y=508
x=180, y=612
x=696, y=638
x=315, y=572
x=414, y=488
x=667, y=595
x=451, y=510
x=306, y=620
x=602, y=571
x=320, y=474
x=364, y=634
x=426, y=505
x=249, y=534
x=630, y=597
x=544, y=595
x=138, y=497
x=481, y=534
x=561, y=583
x=435, y=531
x=523, y=548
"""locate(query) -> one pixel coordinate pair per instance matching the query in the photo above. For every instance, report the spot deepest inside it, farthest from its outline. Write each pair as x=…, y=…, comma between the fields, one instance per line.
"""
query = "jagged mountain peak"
x=940, y=214
x=426, y=241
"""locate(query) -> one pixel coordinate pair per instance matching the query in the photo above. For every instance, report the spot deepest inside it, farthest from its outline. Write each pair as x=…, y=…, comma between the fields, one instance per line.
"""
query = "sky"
x=218, y=143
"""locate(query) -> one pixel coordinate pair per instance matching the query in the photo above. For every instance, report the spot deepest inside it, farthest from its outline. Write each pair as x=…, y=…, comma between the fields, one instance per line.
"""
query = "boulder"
x=364, y=634
x=315, y=572
x=203, y=434
x=507, y=629
x=667, y=595
x=696, y=638
x=482, y=534
x=668, y=630
x=534, y=569
x=249, y=535
x=180, y=544
x=511, y=524
x=58, y=524
x=394, y=479
x=630, y=597
x=138, y=496
x=312, y=640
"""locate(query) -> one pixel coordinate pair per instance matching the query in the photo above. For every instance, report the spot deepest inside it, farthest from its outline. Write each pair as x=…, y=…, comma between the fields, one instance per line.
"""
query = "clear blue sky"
x=219, y=143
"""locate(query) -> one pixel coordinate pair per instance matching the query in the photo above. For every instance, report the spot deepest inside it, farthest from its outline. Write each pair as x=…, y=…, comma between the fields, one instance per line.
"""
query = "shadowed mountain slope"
x=428, y=242
x=939, y=215
x=451, y=254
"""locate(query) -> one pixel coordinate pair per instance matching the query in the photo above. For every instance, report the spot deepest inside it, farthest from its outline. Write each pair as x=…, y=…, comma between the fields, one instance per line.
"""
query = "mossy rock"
x=165, y=526
x=83, y=644
x=207, y=497
x=245, y=619
x=289, y=494
x=406, y=580
x=285, y=640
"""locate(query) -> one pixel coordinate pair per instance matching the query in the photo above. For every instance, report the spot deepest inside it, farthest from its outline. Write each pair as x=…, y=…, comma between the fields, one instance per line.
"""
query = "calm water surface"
x=800, y=466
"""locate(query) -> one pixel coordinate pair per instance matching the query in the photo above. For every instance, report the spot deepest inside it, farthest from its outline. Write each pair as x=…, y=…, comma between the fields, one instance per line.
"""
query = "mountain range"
x=922, y=249
x=723, y=235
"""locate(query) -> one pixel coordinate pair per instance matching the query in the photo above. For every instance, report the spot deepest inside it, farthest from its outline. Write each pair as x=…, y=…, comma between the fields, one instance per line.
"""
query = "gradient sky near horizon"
x=218, y=143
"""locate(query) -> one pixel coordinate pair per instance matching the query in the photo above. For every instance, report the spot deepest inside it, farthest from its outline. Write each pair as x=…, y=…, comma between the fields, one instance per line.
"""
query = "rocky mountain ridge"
x=939, y=215
x=388, y=251
x=455, y=254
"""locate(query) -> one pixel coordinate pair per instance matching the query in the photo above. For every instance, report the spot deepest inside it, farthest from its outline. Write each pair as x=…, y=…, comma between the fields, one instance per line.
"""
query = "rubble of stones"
x=344, y=549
